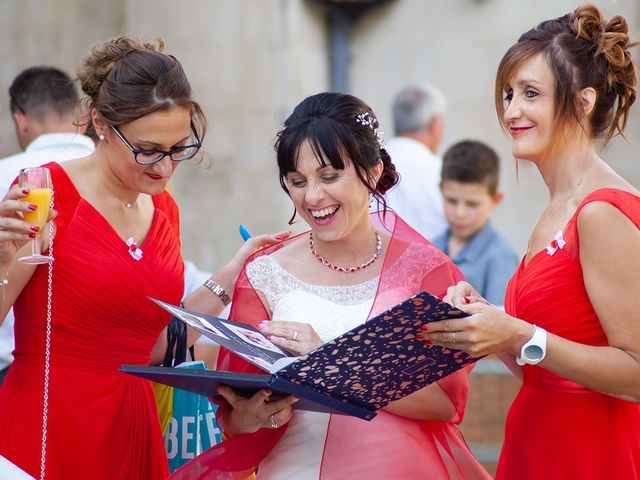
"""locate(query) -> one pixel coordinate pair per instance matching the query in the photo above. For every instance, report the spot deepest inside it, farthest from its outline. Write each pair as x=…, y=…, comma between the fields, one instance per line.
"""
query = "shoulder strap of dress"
x=166, y=203
x=627, y=202
x=65, y=196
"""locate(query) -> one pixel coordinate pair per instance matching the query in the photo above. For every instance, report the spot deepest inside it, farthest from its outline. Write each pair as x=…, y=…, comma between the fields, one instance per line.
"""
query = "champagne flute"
x=38, y=181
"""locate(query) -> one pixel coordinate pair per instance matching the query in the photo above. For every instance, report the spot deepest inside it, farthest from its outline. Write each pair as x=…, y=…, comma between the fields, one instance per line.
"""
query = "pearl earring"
x=101, y=137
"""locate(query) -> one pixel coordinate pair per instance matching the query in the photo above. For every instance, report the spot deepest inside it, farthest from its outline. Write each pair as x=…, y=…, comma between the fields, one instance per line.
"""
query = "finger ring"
x=295, y=335
x=454, y=338
x=272, y=419
x=1, y=227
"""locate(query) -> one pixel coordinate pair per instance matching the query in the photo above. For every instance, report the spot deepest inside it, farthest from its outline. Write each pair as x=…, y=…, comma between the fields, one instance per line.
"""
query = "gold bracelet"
x=219, y=291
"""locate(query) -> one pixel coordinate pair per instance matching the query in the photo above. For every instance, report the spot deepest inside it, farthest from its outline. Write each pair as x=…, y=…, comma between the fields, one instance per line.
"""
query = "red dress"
x=103, y=424
x=557, y=429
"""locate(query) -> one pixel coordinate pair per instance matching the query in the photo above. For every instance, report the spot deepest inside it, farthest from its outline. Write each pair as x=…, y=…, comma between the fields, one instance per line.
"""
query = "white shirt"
x=417, y=198
x=50, y=147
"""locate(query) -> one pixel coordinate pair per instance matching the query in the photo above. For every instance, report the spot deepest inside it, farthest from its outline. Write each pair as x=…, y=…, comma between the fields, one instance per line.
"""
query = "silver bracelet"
x=218, y=290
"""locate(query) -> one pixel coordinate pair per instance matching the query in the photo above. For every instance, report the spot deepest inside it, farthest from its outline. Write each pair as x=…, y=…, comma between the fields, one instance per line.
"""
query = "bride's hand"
x=249, y=414
x=295, y=337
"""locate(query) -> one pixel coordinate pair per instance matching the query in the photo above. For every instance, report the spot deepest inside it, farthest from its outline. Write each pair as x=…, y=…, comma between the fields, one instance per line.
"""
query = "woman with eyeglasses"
x=116, y=242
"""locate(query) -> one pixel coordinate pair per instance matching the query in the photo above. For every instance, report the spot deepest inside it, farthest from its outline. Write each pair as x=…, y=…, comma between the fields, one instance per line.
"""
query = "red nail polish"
x=467, y=300
x=32, y=235
x=32, y=207
x=424, y=328
x=25, y=191
x=35, y=228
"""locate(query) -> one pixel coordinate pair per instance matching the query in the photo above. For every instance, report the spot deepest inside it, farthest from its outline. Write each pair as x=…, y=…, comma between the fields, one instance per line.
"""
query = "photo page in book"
x=240, y=338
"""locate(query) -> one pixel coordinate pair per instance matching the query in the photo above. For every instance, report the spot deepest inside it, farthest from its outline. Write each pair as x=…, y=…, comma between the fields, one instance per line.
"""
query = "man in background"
x=44, y=104
x=418, y=116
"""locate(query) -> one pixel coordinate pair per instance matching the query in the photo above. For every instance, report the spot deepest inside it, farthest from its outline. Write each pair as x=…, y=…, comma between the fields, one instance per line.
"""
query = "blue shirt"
x=487, y=262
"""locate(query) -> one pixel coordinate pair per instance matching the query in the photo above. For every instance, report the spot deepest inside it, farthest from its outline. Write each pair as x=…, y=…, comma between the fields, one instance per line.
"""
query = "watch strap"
x=539, y=341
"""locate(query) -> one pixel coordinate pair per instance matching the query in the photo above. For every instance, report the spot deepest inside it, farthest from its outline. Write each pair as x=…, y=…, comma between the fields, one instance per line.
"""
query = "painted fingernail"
x=267, y=392
x=32, y=235
x=424, y=328
x=32, y=207
x=35, y=228
x=467, y=300
x=25, y=191
x=295, y=399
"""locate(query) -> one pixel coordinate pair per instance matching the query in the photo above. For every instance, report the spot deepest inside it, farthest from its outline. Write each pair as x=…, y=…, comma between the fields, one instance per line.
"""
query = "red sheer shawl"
x=430, y=270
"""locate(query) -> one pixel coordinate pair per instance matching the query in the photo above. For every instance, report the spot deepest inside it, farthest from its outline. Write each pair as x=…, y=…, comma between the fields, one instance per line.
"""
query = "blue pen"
x=244, y=233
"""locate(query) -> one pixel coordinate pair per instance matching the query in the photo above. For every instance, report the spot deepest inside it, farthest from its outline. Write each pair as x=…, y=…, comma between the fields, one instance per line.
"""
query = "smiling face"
x=161, y=130
x=529, y=109
x=333, y=202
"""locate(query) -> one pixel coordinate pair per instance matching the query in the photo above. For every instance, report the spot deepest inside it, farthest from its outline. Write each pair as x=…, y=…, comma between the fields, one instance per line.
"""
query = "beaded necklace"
x=338, y=268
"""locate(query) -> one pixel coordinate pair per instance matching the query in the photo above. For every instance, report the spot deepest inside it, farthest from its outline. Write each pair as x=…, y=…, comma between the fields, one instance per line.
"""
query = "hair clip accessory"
x=368, y=120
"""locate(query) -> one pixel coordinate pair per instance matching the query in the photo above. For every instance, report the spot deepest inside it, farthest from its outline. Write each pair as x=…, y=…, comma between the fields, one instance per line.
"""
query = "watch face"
x=533, y=352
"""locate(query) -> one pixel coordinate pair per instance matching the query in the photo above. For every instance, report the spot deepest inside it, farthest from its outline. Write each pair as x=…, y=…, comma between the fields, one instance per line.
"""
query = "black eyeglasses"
x=149, y=157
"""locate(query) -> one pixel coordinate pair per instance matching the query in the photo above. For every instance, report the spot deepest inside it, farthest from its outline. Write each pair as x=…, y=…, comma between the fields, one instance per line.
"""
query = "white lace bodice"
x=333, y=310
x=330, y=310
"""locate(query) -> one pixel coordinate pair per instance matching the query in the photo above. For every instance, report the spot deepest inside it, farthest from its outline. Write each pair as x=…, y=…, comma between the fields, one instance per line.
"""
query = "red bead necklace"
x=338, y=268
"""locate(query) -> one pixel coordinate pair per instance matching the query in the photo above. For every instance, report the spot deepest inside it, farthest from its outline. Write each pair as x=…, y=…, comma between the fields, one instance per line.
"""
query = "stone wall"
x=251, y=61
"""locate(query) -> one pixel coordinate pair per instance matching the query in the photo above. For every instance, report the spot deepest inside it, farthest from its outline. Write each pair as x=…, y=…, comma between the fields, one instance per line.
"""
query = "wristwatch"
x=218, y=290
x=534, y=350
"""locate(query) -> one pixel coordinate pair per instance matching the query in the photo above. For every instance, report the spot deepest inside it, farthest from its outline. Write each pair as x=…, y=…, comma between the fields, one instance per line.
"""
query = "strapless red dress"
x=557, y=429
x=103, y=424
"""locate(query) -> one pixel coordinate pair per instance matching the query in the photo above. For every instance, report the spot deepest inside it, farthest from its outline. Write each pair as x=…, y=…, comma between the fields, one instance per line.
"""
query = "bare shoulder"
x=292, y=251
x=602, y=227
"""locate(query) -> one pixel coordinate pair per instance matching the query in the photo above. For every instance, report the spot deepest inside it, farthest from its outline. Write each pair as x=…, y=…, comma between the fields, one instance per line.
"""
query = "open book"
x=354, y=374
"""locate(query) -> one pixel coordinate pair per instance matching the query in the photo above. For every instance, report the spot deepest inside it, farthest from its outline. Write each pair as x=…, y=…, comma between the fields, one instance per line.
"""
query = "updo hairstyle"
x=340, y=128
x=582, y=50
x=125, y=79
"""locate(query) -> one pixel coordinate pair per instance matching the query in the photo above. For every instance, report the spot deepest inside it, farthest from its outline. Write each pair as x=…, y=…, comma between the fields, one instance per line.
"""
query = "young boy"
x=469, y=186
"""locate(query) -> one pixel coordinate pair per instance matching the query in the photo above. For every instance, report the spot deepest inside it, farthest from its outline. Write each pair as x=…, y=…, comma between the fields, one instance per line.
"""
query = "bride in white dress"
x=313, y=287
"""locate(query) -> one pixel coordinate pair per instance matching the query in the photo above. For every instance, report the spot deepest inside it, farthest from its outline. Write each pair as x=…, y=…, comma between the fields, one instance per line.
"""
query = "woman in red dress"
x=116, y=242
x=571, y=329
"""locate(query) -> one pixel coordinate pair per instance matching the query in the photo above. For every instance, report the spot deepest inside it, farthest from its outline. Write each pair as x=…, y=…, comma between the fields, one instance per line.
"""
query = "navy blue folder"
x=354, y=374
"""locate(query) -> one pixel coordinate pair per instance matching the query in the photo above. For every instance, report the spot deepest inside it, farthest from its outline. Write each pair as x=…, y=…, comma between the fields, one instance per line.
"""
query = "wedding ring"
x=295, y=335
x=272, y=419
x=454, y=338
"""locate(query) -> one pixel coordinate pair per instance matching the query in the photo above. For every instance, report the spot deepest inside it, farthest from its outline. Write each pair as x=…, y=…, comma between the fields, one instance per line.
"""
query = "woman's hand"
x=295, y=337
x=463, y=294
x=487, y=330
x=249, y=414
x=251, y=246
x=14, y=231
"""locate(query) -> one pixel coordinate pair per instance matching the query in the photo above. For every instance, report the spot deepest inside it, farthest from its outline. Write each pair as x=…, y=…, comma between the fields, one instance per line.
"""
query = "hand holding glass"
x=38, y=182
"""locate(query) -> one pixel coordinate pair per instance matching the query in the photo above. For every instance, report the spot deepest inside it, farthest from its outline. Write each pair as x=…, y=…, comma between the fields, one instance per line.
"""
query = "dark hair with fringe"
x=328, y=121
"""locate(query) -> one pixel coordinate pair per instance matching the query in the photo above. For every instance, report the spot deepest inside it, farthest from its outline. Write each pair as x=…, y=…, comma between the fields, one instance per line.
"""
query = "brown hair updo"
x=582, y=50
x=125, y=79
